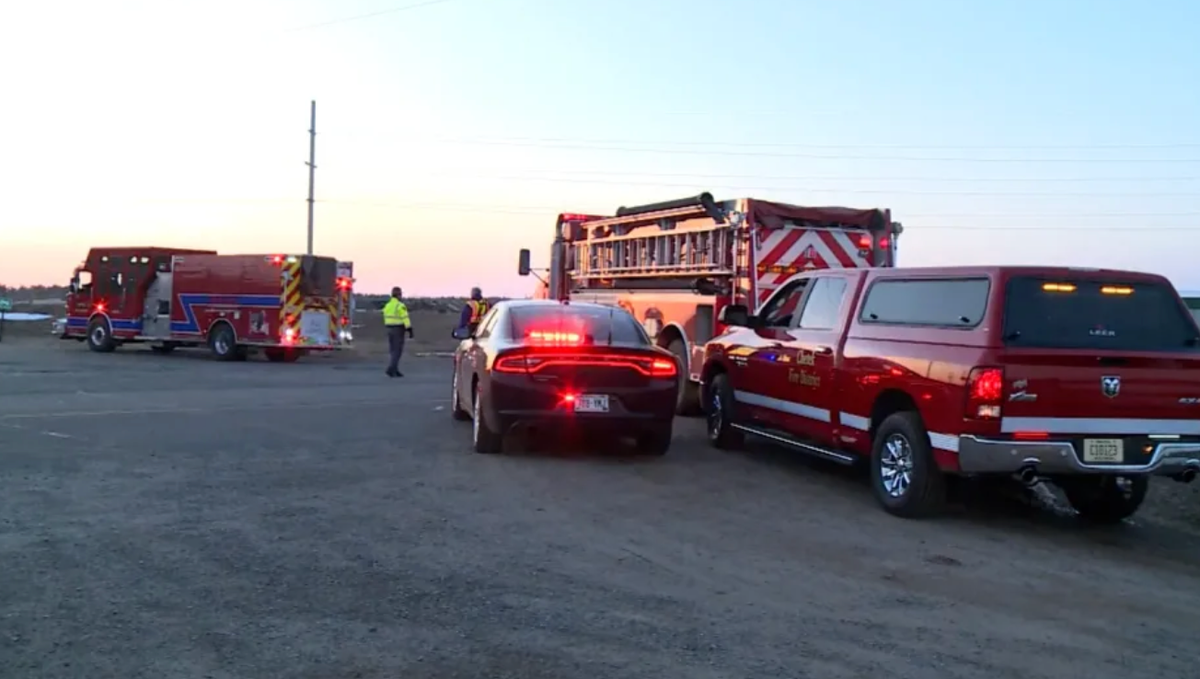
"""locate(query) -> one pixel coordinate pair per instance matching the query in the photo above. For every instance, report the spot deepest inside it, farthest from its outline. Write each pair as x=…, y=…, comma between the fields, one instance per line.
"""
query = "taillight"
x=985, y=392
x=531, y=362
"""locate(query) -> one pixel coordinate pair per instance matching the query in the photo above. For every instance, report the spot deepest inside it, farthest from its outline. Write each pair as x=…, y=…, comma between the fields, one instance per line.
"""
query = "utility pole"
x=312, y=167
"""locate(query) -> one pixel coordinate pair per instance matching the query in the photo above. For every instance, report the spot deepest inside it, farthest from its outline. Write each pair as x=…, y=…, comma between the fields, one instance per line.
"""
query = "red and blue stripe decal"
x=116, y=324
x=189, y=302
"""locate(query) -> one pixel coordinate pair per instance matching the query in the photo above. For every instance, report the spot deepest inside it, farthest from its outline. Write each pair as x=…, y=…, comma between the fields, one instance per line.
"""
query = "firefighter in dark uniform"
x=473, y=311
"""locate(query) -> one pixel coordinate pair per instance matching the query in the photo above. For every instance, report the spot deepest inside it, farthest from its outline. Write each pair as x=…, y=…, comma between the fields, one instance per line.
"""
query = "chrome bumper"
x=987, y=456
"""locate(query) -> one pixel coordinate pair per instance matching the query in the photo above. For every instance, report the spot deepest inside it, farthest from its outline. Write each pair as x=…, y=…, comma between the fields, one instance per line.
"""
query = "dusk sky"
x=452, y=132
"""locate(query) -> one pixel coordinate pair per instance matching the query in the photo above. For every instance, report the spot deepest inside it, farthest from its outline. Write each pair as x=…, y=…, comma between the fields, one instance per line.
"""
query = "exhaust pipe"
x=1028, y=476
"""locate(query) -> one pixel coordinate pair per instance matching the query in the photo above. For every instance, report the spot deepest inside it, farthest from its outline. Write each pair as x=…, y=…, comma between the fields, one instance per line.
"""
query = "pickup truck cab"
x=1086, y=378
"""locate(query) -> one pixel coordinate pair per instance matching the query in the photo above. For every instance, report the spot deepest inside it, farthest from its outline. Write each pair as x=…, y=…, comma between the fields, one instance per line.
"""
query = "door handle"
x=823, y=350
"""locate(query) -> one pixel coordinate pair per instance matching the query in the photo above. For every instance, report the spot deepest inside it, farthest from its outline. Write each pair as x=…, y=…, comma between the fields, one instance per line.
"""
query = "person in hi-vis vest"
x=473, y=311
x=399, y=327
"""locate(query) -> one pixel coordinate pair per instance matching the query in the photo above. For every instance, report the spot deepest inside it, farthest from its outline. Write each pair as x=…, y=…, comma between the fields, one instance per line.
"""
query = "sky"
x=450, y=133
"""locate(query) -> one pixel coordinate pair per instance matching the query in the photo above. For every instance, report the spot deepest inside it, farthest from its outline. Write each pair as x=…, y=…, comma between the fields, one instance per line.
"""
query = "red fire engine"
x=675, y=264
x=283, y=305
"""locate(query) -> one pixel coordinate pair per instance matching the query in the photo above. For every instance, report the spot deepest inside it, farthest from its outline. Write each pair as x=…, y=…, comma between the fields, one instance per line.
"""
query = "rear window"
x=1083, y=314
x=593, y=324
x=954, y=302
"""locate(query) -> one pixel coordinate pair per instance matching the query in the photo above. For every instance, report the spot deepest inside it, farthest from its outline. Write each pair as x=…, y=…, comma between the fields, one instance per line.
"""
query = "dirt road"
x=168, y=516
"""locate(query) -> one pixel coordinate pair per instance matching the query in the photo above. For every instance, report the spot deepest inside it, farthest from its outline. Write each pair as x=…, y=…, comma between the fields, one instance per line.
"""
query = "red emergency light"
x=343, y=283
x=277, y=260
x=864, y=242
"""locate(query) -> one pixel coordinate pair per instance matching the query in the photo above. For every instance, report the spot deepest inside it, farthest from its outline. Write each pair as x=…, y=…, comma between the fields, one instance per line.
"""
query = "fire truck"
x=675, y=264
x=282, y=305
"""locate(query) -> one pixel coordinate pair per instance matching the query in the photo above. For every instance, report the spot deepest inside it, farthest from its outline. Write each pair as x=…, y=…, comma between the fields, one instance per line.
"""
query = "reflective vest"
x=479, y=307
x=395, y=313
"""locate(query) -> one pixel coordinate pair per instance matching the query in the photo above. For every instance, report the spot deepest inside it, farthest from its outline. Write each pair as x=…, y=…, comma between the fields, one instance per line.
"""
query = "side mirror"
x=734, y=314
x=74, y=286
x=460, y=333
x=523, y=267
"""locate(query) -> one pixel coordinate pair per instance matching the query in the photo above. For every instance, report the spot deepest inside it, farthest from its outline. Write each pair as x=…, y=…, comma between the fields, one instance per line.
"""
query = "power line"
x=811, y=156
x=370, y=15
x=901, y=192
x=807, y=178
x=793, y=145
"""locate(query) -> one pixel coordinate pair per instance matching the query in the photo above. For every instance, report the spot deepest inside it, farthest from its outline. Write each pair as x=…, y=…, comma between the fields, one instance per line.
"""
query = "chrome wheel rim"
x=716, y=418
x=98, y=335
x=896, y=466
x=475, y=412
x=221, y=344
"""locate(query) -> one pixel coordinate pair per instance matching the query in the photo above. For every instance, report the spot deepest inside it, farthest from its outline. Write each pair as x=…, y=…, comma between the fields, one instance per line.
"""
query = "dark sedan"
x=564, y=368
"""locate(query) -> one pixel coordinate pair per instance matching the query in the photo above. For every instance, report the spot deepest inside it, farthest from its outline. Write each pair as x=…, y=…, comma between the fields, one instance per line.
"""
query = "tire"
x=901, y=445
x=687, y=403
x=223, y=343
x=483, y=439
x=456, y=410
x=719, y=415
x=1105, y=499
x=99, y=337
x=656, y=441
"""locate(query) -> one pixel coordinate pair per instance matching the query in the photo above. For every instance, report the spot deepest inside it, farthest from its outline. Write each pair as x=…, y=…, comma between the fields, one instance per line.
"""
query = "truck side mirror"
x=74, y=286
x=523, y=267
x=734, y=314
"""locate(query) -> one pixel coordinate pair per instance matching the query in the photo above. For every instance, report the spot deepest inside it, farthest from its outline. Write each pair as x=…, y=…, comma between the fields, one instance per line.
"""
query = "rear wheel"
x=655, y=441
x=99, y=337
x=456, y=409
x=484, y=440
x=688, y=401
x=223, y=343
x=1105, y=499
x=904, y=476
x=719, y=414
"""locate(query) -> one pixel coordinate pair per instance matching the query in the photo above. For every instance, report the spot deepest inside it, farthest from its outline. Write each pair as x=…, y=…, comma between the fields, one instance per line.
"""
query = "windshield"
x=1084, y=314
x=591, y=325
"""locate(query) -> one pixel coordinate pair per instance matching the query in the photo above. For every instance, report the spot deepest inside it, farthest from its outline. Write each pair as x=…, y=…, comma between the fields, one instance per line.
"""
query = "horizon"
x=451, y=132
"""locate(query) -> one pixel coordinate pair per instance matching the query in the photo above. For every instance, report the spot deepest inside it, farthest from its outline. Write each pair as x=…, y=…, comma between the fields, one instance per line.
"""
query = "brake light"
x=527, y=362
x=550, y=337
x=985, y=391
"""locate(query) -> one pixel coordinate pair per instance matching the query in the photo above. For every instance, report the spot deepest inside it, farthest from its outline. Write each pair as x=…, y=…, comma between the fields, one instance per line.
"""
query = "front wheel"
x=719, y=414
x=456, y=409
x=904, y=476
x=99, y=337
x=1105, y=499
x=223, y=343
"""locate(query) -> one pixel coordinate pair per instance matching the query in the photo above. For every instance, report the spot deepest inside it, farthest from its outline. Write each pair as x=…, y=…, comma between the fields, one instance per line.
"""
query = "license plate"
x=592, y=403
x=1103, y=450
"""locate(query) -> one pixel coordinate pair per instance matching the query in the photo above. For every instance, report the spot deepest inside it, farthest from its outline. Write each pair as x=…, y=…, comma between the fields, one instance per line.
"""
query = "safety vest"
x=479, y=307
x=395, y=313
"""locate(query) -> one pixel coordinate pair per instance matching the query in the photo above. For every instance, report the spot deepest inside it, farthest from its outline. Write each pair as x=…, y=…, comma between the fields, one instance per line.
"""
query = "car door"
x=814, y=340
x=760, y=388
x=472, y=354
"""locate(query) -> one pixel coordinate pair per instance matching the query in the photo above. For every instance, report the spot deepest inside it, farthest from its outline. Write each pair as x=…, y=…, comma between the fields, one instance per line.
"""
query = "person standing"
x=399, y=327
x=473, y=311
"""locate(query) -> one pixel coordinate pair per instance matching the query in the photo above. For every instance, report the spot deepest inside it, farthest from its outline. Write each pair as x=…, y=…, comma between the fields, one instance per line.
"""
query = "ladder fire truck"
x=675, y=264
x=282, y=305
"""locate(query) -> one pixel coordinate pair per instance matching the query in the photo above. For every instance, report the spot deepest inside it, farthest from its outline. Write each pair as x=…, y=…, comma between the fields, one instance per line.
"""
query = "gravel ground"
x=168, y=516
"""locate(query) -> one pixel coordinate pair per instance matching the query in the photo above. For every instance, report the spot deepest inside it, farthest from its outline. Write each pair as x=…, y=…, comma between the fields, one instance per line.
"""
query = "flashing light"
x=1115, y=290
x=277, y=260
x=100, y=307
x=1058, y=287
x=345, y=320
x=289, y=335
x=551, y=337
x=572, y=217
x=343, y=283
x=864, y=242
x=525, y=362
x=568, y=398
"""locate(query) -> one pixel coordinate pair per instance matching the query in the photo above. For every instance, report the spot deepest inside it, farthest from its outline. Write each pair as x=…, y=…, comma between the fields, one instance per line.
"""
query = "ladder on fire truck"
x=709, y=251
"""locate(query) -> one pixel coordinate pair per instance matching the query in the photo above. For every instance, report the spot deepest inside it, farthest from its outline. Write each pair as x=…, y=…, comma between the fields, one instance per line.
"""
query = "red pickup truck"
x=1086, y=378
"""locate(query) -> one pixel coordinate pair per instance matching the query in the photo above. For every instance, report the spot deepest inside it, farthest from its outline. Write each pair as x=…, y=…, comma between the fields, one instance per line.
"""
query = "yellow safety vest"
x=395, y=313
x=479, y=307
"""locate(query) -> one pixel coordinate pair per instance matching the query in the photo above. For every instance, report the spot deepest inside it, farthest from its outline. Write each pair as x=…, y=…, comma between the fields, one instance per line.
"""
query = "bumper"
x=989, y=456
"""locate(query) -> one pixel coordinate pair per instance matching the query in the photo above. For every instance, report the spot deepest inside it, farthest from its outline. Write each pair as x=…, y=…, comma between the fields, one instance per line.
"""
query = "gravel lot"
x=168, y=516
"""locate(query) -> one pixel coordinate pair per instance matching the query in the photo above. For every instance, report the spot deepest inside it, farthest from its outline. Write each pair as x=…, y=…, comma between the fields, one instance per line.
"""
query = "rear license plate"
x=1103, y=450
x=592, y=403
